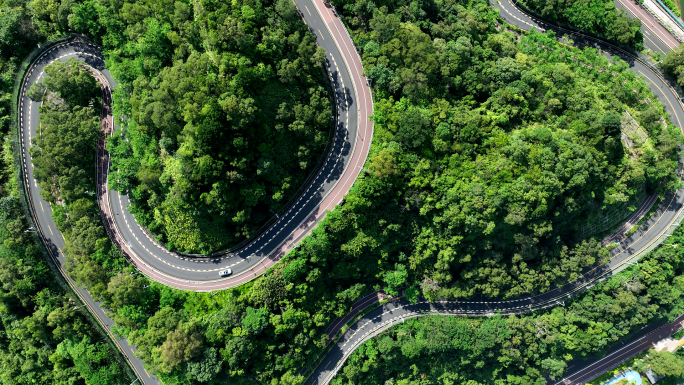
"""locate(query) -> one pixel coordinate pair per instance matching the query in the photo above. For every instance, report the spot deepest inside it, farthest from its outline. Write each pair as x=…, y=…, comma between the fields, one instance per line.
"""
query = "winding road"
x=351, y=141
x=647, y=237
x=352, y=137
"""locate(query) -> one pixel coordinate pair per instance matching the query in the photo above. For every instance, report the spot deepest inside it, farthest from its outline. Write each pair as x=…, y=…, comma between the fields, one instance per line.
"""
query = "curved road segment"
x=385, y=316
x=352, y=140
x=352, y=137
x=656, y=37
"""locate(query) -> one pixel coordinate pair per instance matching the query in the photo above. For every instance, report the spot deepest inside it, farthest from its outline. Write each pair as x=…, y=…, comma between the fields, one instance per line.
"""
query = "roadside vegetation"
x=673, y=6
x=527, y=349
x=492, y=151
x=63, y=160
x=469, y=166
x=673, y=65
x=226, y=107
x=599, y=17
x=43, y=339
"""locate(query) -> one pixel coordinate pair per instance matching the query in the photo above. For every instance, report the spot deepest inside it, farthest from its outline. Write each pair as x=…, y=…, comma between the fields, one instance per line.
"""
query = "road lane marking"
x=41, y=206
x=50, y=230
x=646, y=25
x=666, y=98
x=654, y=44
x=307, y=9
x=321, y=35
x=268, y=231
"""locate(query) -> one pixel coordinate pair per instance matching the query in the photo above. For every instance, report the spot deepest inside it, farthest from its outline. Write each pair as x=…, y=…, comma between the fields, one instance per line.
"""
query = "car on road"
x=225, y=273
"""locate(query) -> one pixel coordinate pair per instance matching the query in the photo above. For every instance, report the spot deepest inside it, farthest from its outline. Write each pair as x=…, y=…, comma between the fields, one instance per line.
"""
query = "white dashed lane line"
x=286, y=219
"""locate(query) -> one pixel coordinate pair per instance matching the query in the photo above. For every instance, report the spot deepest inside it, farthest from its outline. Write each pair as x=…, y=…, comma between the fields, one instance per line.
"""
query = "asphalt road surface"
x=656, y=37
x=385, y=316
x=352, y=140
x=29, y=117
x=352, y=137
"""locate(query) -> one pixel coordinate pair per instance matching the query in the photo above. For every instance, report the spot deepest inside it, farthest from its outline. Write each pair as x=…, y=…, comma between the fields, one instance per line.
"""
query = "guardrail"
x=24, y=196
x=676, y=19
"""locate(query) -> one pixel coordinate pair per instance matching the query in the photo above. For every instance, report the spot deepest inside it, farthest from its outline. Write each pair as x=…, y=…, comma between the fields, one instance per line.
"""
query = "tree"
x=411, y=294
x=611, y=123
x=63, y=152
x=207, y=368
x=255, y=320
x=37, y=91
x=509, y=69
x=269, y=290
x=595, y=16
x=72, y=81
x=286, y=9
x=384, y=26
x=624, y=29
x=88, y=358
x=414, y=126
x=554, y=367
x=125, y=289
x=673, y=64
x=180, y=346
x=381, y=76
x=665, y=363
x=395, y=279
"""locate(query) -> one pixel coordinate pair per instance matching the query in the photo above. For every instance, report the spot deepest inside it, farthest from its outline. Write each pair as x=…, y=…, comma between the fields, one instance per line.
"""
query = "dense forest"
x=526, y=349
x=69, y=127
x=492, y=150
x=44, y=338
x=227, y=112
x=599, y=17
x=482, y=136
x=673, y=64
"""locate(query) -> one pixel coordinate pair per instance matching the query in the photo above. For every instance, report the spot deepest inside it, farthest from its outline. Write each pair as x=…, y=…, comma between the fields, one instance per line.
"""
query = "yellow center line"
x=307, y=9
x=41, y=206
x=668, y=100
x=319, y=32
x=656, y=45
x=51, y=230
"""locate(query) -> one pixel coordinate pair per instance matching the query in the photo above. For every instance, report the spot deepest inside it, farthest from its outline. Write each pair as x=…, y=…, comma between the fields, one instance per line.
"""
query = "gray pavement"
x=341, y=66
x=383, y=317
x=29, y=118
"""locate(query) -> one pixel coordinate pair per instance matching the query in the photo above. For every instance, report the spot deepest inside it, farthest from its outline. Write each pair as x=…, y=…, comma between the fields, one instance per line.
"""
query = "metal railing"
x=24, y=197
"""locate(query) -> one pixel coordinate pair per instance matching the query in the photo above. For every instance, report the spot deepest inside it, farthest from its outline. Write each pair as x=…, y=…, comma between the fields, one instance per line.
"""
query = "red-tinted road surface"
x=364, y=108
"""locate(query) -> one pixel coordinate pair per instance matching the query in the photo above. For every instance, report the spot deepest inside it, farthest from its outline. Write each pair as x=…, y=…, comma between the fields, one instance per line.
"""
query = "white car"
x=225, y=273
